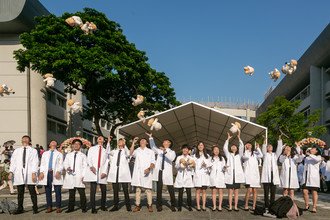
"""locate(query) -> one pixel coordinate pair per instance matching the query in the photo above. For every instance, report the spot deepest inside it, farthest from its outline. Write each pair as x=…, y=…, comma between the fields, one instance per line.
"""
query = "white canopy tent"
x=193, y=122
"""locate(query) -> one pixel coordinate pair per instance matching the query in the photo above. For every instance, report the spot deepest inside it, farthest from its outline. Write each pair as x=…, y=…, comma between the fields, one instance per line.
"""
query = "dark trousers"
x=48, y=189
x=160, y=191
x=115, y=187
x=103, y=194
x=269, y=187
x=180, y=199
x=72, y=198
x=20, y=196
x=328, y=185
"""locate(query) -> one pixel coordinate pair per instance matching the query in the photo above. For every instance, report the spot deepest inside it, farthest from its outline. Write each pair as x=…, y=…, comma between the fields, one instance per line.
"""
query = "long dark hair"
x=292, y=153
x=204, y=150
x=220, y=154
x=237, y=152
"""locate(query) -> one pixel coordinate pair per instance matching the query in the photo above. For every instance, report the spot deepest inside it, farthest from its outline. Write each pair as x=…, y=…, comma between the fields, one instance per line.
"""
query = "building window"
x=61, y=129
x=61, y=102
x=51, y=97
x=306, y=112
x=51, y=126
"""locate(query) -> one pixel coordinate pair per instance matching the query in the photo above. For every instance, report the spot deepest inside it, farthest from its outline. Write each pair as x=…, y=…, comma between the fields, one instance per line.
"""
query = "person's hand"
x=41, y=176
x=109, y=138
x=58, y=175
x=10, y=176
x=257, y=145
x=34, y=177
x=103, y=175
x=135, y=140
x=229, y=136
x=149, y=134
x=93, y=169
x=147, y=171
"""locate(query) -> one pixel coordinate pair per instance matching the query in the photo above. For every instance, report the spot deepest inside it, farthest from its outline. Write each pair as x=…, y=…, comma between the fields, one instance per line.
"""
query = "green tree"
x=282, y=117
x=104, y=66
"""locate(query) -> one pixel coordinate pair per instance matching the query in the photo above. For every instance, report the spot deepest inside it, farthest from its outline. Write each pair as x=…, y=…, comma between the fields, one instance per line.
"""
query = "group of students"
x=195, y=169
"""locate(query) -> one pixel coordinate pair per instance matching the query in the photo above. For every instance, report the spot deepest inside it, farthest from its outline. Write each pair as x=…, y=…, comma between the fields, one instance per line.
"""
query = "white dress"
x=217, y=175
x=251, y=167
x=184, y=177
x=202, y=174
x=234, y=165
x=311, y=173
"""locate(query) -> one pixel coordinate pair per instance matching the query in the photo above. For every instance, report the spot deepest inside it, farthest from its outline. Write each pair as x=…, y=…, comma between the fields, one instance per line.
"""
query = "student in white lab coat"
x=250, y=160
x=289, y=159
x=217, y=177
x=51, y=167
x=270, y=177
x=311, y=177
x=23, y=170
x=96, y=172
x=143, y=171
x=163, y=172
x=119, y=173
x=75, y=165
x=185, y=165
x=202, y=174
x=234, y=175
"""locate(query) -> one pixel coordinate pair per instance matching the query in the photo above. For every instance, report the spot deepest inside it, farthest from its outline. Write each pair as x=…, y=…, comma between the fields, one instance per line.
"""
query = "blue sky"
x=203, y=45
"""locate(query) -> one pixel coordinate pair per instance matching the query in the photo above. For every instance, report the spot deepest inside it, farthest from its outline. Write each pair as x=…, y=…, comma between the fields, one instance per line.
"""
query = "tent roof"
x=192, y=122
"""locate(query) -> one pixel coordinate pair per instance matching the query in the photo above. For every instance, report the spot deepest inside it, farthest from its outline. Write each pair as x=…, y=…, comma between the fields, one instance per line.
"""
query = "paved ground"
x=323, y=210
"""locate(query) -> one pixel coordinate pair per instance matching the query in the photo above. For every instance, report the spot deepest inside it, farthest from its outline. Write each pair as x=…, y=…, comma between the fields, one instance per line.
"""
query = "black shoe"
x=35, y=212
x=236, y=210
x=204, y=210
x=69, y=210
x=159, y=209
x=114, y=209
x=179, y=209
x=84, y=210
x=198, y=210
x=104, y=209
x=219, y=210
x=190, y=209
x=17, y=212
x=94, y=211
x=173, y=209
x=246, y=209
x=213, y=209
x=229, y=210
x=129, y=208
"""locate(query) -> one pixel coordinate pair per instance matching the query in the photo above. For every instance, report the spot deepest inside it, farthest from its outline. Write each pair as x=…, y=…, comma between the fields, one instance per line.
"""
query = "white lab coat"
x=234, y=163
x=289, y=173
x=311, y=174
x=92, y=161
x=124, y=171
x=57, y=167
x=143, y=159
x=270, y=164
x=168, y=167
x=326, y=170
x=24, y=175
x=217, y=175
x=202, y=174
x=75, y=180
x=251, y=167
x=184, y=177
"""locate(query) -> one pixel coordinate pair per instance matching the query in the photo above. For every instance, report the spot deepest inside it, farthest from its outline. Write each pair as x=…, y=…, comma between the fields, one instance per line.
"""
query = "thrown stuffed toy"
x=74, y=106
x=74, y=21
x=4, y=89
x=235, y=127
x=49, y=79
x=191, y=162
x=275, y=74
x=140, y=115
x=139, y=99
x=249, y=70
x=154, y=124
x=290, y=67
x=183, y=163
x=88, y=27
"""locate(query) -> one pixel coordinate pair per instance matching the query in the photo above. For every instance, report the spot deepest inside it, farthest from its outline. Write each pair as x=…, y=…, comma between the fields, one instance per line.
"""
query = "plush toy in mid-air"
x=139, y=99
x=74, y=21
x=290, y=67
x=249, y=70
x=141, y=115
x=74, y=106
x=275, y=74
x=49, y=79
x=191, y=163
x=154, y=124
x=4, y=89
x=88, y=27
x=235, y=127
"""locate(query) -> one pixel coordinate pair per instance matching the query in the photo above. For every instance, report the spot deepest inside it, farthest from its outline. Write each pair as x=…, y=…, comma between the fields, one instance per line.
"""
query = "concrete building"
x=34, y=110
x=310, y=83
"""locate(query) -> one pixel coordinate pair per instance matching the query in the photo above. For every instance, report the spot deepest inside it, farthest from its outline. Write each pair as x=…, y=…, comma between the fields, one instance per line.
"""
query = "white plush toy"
x=88, y=27
x=290, y=67
x=74, y=21
x=139, y=99
x=249, y=70
x=4, y=89
x=275, y=74
x=49, y=79
x=154, y=124
x=74, y=106
x=141, y=115
x=235, y=127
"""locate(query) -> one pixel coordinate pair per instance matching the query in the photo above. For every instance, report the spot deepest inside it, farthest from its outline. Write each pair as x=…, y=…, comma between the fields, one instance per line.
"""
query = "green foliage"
x=282, y=116
x=104, y=66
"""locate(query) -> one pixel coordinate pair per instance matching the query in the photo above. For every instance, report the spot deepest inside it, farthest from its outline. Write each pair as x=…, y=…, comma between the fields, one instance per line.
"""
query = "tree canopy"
x=282, y=117
x=104, y=66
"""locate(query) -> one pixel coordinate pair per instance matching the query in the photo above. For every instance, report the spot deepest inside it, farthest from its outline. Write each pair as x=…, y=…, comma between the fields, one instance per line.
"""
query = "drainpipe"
x=28, y=76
